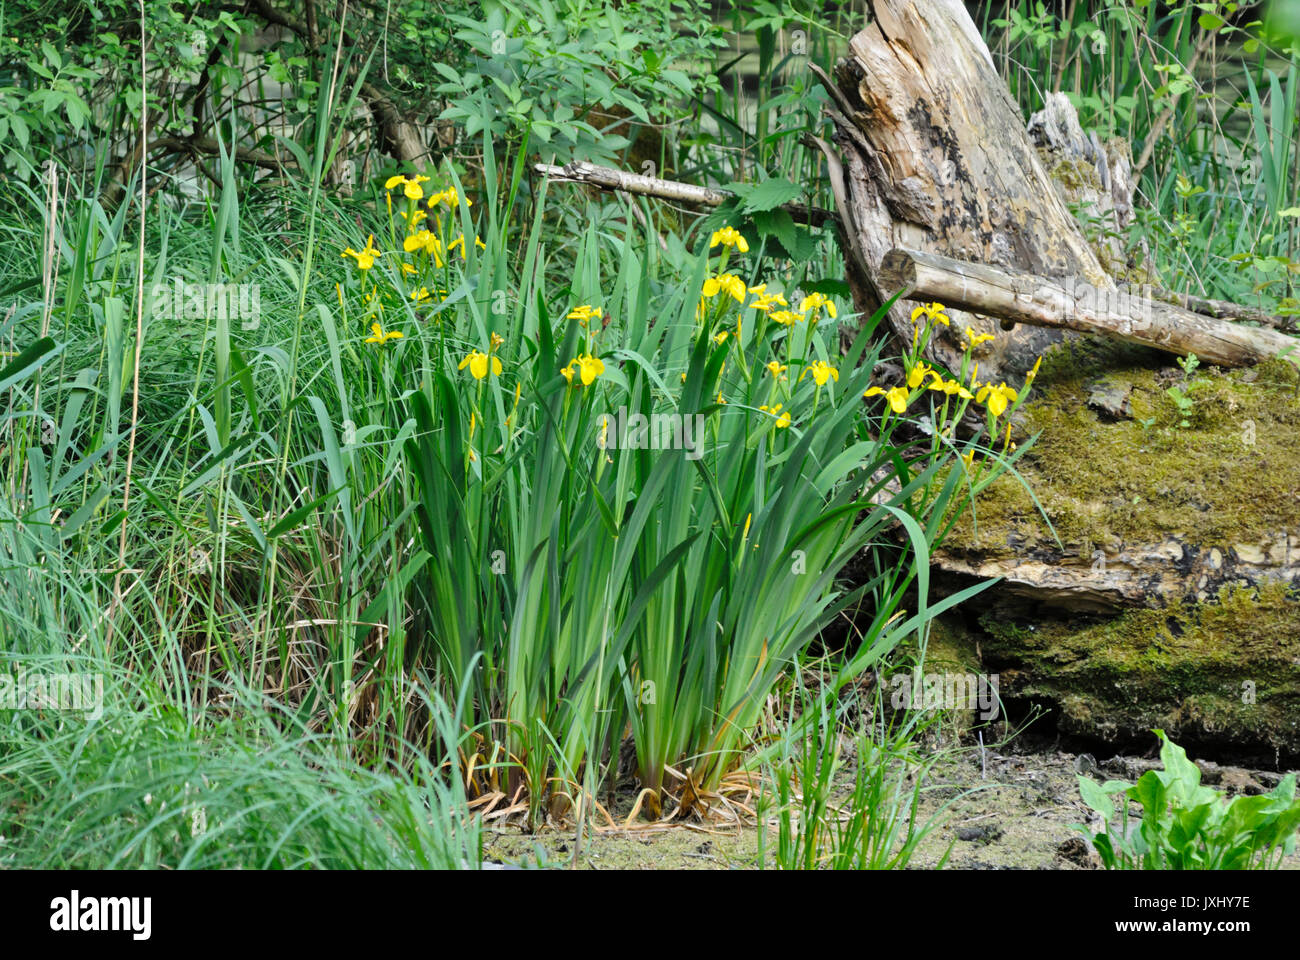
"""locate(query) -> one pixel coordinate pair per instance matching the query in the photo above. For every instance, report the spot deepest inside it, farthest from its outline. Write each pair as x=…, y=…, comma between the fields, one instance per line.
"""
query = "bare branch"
x=608, y=178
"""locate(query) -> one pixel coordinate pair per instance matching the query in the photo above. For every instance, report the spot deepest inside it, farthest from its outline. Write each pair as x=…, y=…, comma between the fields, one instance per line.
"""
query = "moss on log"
x=1224, y=673
x=1170, y=599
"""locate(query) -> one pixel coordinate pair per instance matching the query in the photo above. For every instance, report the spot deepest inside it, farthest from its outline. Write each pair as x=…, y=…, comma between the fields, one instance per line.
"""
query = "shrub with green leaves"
x=550, y=72
x=1188, y=826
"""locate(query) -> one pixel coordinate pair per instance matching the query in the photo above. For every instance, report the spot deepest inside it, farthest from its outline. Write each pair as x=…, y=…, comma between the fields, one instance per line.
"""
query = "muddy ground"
x=996, y=809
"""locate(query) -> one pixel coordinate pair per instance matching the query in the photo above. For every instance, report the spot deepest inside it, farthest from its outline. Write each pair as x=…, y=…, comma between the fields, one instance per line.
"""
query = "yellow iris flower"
x=365, y=257
x=585, y=314
x=933, y=312
x=896, y=397
x=728, y=282
x=479, y=363
x=460, y=242
x=815, y=301
x=427, y=242
x=450, y=197
x=821, y=372
x=729, y=237
x=997, y=397
x=973, y=339
x=410, y=185
x=380, y=336
x=950, y=387
x=782, y=419
x=589, y=367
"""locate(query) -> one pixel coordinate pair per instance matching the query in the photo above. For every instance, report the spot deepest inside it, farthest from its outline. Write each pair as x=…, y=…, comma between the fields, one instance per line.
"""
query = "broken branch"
x=608, y=178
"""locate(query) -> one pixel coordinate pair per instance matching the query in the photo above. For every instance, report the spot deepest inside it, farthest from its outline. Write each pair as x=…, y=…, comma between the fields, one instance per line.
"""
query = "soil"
x=999, y=809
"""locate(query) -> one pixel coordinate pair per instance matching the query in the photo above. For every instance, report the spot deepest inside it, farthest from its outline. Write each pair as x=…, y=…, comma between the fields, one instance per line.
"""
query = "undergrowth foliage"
x=482, y=504
x=572, y=514
x=1185, y=825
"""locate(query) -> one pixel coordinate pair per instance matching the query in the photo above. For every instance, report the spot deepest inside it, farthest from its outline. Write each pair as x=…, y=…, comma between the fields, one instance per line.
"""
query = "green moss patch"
x=1231, y=475
x=1227, y=670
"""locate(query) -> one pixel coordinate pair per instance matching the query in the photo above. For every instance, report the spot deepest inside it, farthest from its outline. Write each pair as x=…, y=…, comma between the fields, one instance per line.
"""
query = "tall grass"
x=140, y=785
x=243, y=653
x=372, y=573
x=844, y=797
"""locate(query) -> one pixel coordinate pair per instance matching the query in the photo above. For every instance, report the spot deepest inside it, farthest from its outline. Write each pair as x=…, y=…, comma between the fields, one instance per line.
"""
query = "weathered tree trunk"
x=1070, y=305
x=1096, y=177
x=937, y=159
x=1169, y=530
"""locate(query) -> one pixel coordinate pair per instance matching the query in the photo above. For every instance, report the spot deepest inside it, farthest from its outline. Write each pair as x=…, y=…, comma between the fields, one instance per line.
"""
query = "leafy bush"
x=69, y=88
x=546, y=74
x=1187, y=826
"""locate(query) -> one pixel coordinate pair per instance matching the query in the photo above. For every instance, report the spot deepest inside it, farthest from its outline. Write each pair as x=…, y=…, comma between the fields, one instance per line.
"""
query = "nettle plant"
x=635, y=495
x=1188, y=826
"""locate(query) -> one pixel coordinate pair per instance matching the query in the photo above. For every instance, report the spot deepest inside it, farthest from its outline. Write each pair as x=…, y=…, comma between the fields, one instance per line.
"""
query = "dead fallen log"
x=1077, y=305
x=608, y=178
x=1225, y=310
